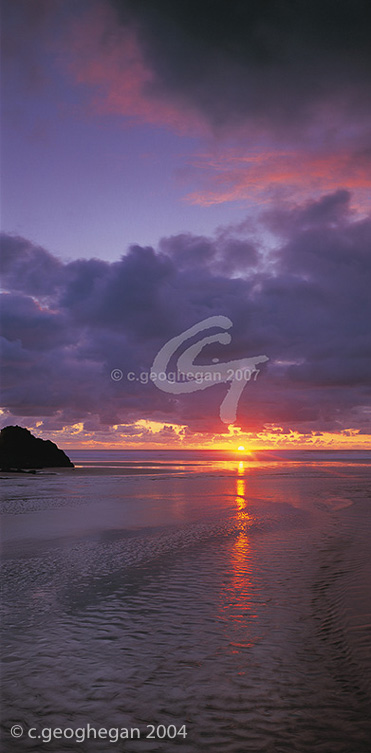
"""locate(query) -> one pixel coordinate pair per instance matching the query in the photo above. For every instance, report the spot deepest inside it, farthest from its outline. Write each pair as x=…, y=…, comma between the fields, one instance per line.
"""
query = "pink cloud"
x=235, y=175
x=107, y=57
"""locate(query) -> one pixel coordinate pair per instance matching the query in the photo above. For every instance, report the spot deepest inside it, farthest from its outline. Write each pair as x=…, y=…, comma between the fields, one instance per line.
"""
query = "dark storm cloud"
x=307, y=308
x=277, y=64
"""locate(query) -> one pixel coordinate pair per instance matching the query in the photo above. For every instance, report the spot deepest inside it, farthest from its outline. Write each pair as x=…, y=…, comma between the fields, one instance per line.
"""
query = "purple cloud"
x=306, y=306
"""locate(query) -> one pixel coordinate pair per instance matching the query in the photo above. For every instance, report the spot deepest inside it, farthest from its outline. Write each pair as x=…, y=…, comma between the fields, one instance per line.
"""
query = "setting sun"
x=241, y=448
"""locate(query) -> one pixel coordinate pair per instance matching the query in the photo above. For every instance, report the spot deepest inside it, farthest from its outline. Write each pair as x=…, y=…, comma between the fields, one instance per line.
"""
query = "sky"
x=164, y=163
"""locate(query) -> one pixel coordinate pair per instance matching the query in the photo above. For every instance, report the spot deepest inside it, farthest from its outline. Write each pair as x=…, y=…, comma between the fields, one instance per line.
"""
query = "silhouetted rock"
x=20, y=449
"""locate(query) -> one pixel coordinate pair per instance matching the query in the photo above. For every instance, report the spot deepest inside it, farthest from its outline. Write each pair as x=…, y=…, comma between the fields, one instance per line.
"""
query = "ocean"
x=190, y=601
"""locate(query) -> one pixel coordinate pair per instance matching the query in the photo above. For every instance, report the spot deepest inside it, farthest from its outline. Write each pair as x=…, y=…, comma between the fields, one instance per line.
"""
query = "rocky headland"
x=20, y=450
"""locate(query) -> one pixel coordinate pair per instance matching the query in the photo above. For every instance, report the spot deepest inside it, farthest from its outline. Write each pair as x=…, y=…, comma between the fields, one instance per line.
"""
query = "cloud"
x=278, y=92
x=271, y=75
x=263, y=175
x=306, y=306
x=275, y=65
x=28, y=267
x=106, y=57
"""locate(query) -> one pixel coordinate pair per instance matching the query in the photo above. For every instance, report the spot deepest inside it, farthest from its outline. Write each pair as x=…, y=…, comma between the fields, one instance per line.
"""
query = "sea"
x=188, y=601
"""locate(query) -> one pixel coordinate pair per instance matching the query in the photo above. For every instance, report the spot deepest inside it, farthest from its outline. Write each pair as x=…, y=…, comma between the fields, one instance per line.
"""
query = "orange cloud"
x=149, y=434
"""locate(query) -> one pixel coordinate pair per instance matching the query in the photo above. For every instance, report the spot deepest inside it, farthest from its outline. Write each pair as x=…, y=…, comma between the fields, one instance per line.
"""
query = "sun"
x=241, y=448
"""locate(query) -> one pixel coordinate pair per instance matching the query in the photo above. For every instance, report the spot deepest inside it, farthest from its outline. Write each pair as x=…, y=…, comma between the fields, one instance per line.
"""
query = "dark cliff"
x=20, y=449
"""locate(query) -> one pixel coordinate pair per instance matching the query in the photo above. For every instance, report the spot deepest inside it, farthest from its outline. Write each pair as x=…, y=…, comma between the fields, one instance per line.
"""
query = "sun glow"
x=241, y=448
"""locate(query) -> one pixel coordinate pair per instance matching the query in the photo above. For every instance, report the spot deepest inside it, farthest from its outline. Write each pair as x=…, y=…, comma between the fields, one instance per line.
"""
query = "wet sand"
x=231, y=599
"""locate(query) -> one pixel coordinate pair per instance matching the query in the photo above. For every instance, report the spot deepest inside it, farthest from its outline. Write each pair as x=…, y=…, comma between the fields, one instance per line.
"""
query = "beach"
x=223, y=601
